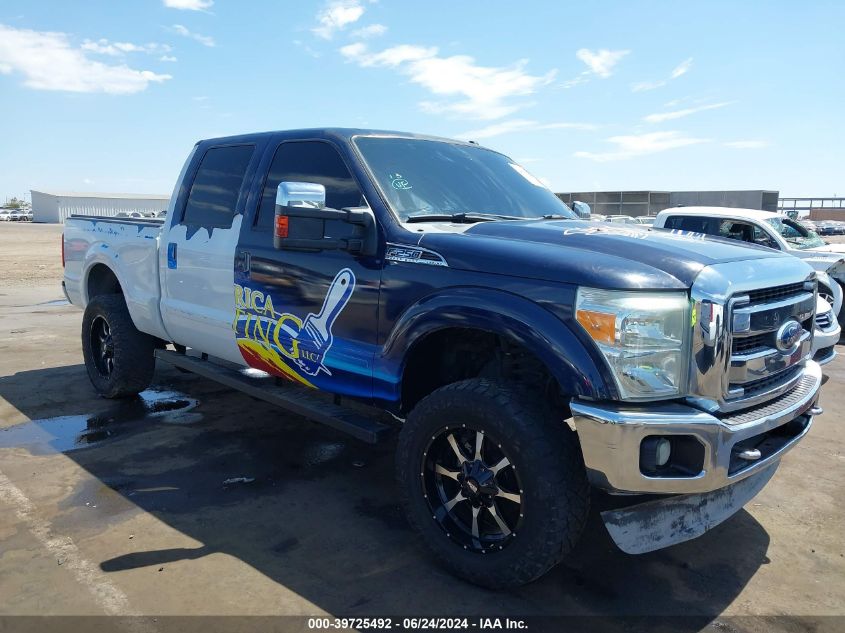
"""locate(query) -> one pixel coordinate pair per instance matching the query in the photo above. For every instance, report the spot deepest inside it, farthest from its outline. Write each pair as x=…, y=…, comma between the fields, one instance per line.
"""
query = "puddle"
x=73, y=432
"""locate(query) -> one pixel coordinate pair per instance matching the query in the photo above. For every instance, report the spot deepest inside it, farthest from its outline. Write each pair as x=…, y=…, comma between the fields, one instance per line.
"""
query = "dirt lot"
x=121, y=508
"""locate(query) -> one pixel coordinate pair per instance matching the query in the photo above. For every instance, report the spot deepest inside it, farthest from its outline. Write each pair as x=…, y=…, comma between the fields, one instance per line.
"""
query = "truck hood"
x=594, y=254
x=829, y=248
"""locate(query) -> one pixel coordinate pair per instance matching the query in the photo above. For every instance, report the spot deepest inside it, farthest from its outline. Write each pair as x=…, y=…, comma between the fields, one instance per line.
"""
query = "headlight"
x=642, y=335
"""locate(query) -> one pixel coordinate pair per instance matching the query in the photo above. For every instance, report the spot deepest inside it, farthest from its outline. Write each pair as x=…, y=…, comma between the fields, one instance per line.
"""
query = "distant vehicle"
x=162, y=214
x=20, y=215
x=826, y=333
x=771, y=230
x=647, y=220
x=130, y=214
x=597, y=217
x=5, y=215
x=620, y=219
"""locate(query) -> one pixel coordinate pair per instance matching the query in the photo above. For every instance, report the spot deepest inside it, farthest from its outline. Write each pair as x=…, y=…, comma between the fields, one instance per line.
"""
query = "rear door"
x=309, y=317
x=198, y=252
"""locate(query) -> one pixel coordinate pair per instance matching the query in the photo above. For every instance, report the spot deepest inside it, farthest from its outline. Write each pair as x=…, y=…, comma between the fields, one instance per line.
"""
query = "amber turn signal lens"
x=601, y=326
x=281, y=226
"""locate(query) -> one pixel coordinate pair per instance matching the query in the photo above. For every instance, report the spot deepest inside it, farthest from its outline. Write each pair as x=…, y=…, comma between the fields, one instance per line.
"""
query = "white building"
x=56, y=206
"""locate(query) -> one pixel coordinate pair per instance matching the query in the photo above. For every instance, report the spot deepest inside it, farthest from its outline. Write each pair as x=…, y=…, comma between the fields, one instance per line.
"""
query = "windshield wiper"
x=460, y=218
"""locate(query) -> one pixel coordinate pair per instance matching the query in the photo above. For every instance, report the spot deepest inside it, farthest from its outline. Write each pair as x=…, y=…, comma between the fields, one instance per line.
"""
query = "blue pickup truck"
x=376, y=281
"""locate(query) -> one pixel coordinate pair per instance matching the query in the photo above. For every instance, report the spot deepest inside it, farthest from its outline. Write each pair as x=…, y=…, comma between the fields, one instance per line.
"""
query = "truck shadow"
x=318, y=513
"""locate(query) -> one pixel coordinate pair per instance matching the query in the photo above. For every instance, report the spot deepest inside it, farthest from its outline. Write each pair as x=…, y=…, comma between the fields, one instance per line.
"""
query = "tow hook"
x=749, y=454
x=816, y=410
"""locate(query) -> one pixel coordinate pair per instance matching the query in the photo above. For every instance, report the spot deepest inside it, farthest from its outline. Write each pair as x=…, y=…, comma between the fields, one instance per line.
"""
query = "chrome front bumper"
x=611, y=435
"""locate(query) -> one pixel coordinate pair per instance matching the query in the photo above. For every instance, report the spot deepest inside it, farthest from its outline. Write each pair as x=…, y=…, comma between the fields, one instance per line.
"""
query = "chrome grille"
x=758, y=368
x=824, y=321
x=767, y=295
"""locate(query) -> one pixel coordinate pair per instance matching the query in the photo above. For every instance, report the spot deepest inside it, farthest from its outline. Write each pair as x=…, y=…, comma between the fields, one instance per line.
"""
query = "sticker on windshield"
x=399, y=182
x=527, y=175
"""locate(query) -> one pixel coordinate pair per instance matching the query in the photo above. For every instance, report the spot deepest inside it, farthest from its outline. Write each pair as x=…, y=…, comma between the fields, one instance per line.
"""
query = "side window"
x=737, y=231
x=692, y=224
x=214, y=192
x=308, y=161
x=763, y=239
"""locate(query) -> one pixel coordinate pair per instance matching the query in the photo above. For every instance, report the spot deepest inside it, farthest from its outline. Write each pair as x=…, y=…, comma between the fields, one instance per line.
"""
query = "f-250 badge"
x=284, y=343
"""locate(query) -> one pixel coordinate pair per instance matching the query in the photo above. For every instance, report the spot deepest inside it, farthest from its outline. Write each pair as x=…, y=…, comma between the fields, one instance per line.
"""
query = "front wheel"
x=494, y=485
x=119, y=358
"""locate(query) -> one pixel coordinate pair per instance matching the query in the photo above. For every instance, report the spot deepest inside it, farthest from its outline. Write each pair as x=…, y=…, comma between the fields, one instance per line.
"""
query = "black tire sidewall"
x=134, y=360
x=520, y=425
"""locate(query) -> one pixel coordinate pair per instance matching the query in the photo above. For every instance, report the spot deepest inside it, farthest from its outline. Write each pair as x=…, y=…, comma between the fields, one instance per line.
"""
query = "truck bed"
x=129, y=248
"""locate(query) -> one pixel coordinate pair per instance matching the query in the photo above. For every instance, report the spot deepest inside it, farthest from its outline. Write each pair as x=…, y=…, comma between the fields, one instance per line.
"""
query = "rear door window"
x=213, y=199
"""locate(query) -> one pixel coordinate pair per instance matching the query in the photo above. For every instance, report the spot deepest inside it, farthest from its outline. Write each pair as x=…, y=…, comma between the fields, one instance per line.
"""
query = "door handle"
x=171, y=255
x=246, y=261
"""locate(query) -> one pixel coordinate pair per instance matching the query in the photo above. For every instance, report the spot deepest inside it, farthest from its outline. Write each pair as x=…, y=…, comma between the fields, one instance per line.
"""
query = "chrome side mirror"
x=301, y=194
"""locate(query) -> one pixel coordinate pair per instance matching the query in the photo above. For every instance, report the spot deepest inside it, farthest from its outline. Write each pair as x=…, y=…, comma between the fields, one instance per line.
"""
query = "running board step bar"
x=292, y=398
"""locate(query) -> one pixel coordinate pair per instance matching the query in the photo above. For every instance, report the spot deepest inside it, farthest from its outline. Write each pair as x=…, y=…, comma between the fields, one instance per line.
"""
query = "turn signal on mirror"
x=281, y=226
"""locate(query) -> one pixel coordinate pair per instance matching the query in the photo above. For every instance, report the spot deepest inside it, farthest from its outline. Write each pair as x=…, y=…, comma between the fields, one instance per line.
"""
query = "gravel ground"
x=30, y=254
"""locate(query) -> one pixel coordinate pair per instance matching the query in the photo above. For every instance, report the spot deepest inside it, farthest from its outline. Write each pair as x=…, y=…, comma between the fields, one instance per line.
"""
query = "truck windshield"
x=795, y=234
x=422, y=178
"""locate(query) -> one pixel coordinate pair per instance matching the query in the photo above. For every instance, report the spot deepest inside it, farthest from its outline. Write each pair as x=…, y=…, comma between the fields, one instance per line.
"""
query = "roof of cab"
x=721, y=212
x=337, y=133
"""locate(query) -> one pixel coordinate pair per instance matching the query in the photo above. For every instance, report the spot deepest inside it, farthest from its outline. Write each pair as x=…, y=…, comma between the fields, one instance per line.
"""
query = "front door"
x=198, y=255
x=310, y=317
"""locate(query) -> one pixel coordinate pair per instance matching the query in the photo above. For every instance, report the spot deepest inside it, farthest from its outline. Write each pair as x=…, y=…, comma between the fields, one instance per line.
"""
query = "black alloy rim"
x=472, y=489
x=102, y=346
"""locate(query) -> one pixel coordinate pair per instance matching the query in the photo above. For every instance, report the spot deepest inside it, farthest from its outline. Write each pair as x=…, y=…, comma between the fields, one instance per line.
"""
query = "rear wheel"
x=119, y=358
x=493, y=484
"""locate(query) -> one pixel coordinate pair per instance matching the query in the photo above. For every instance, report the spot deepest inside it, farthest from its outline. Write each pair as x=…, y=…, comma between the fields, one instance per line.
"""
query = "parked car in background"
x=597, y=217
x=21, y=215
x=645, y=219
x=771, y=230
x=826, y=334
x=5, y=215
x=620, y=219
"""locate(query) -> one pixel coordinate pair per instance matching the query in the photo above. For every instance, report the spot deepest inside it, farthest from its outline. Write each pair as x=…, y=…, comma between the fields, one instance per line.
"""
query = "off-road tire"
x=550, y=466
x=133, y=352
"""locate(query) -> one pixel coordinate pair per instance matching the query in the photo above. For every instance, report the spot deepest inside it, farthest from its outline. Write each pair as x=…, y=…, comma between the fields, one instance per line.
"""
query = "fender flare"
x=567, y=352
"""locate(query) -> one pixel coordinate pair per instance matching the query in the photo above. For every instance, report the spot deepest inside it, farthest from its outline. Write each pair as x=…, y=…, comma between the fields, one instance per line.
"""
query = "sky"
x=633, y=95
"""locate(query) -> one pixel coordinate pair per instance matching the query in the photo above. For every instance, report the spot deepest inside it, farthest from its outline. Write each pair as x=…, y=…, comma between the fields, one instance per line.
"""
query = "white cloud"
x=167, y=58
x=682, y=68
x=750, y=144
x=602, y=61
x=521, y=125
x=372, y=30
x=49, y=62
x=205, y=40
x=484, y=92
x=659, y=117
x=189, y=5
x=641, y=145
x=646, y=85
x=116, y=49
x=580, y=79
x=336, y=17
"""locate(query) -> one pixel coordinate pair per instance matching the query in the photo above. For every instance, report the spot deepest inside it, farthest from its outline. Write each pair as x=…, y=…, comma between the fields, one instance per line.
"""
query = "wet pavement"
x=134, y=496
